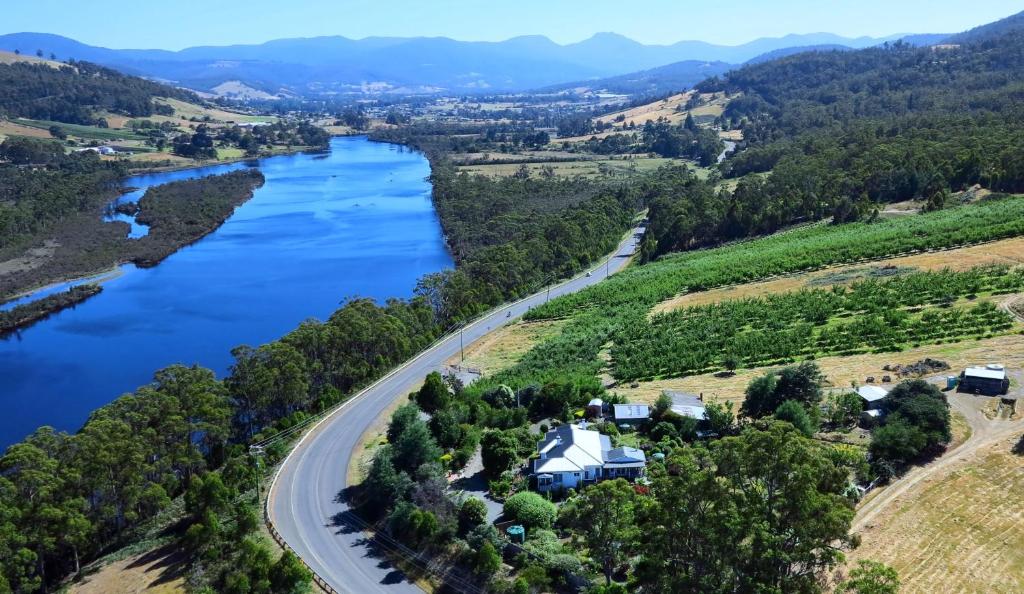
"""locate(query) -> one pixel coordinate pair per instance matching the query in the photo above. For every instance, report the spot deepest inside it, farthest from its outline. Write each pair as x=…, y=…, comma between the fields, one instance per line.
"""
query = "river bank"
x=89, y=243
x=356, y=220
x=25, y=315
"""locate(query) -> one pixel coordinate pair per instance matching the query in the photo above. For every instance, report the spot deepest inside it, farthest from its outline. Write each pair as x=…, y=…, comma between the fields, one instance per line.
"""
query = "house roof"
x=985, y=373
x=571, y=449
x=595, y=402
x=872, y=393
x=632, y=411
x=625, y=455
x=687, y=405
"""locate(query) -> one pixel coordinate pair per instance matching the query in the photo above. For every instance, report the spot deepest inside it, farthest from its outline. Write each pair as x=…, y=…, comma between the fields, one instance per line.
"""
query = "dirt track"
x=984, y=432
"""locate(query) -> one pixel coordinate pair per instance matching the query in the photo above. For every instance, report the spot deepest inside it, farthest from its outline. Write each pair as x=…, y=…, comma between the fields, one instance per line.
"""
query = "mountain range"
x=339, y=65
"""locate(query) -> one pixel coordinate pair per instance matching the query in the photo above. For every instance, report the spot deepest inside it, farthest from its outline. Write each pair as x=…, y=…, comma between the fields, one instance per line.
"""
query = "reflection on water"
x=356, y=221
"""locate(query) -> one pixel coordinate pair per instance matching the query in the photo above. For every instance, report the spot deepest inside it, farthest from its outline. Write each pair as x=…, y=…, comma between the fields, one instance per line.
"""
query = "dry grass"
x=506, y=346
x=152, y=572
x=191, y=110
x=594, y=168
x=841, y=371
x=11, y=129
x=961, y=531
x=11, y=58
x=1009, y=251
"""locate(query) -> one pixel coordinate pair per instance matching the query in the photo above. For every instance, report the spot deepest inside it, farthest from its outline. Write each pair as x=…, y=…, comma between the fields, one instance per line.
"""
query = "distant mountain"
x=1011, y=24
x=673, y=77
x=790, y=51
x=330, y=65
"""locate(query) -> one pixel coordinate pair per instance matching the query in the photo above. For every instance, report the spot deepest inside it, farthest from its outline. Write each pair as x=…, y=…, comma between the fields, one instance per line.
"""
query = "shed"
x=989, y=380
x=595, y=408
x=873, y=396
x=688, y=405
x=631, y=413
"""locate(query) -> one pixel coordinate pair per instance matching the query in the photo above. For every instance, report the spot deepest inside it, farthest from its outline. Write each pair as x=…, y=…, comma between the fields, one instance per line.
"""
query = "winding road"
x=304, y=504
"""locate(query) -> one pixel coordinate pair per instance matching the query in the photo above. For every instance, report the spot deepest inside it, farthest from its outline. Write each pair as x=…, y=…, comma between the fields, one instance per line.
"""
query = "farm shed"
x=872, y=396
x=990, y=380
x=631, y=413
x=688, y=405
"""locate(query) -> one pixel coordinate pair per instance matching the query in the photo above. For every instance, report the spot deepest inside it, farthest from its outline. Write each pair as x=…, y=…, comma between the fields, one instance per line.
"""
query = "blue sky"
x=174, y=24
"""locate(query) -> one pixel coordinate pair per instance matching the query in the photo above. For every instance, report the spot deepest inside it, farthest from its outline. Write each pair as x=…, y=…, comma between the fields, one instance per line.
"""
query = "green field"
x=84, y=132
x=602, y=317
x=868, y=316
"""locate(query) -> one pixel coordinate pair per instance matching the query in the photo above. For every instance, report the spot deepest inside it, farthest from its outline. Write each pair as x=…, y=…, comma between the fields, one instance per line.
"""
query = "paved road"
x=304, y=503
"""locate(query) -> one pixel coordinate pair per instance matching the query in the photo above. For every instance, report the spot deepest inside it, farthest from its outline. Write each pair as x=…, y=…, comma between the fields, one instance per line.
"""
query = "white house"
x=571, y=456
x=873, y=396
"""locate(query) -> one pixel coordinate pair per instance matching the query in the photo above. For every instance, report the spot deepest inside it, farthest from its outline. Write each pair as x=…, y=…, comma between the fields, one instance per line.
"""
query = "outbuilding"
x=631, y=414
x=873, y=397
x=989, y=380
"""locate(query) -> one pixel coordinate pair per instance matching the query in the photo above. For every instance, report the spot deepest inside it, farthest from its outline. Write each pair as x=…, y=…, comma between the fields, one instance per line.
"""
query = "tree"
x=500, y=452
x=763, y=511
x=794, y=413
x=897, y=442
x=433, y=396
x=760, y=396
x=843, y=409
x=604, y=516
x=289, y=574
x=720, y=417
x=871, y=577
x=472, y=514
x=415, y=447
x=662, y=405
x=384, y=485
x=402, y=418
x=486, y=561
x=530, y=510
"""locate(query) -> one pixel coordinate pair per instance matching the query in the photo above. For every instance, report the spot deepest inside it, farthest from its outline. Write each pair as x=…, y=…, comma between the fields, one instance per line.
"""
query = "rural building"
x=571, y=456
x=631, y=414
x=688, y=405
x=873, y=399
x=595, y=408
x=990, y=380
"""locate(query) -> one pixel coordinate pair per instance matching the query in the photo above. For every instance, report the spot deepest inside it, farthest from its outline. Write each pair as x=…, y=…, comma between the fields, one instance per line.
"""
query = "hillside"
x=73, y=93
x=410, y=65
x=674, y=77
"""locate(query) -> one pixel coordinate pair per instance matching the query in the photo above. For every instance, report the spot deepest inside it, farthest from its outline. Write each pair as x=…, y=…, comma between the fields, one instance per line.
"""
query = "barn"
x=990, y=380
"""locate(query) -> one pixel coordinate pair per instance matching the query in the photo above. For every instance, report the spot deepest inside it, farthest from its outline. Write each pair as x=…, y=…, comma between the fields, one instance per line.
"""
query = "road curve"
x=303, y=503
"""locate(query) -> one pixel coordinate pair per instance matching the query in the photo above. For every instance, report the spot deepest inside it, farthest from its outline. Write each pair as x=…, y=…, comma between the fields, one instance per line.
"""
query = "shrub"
x=531, y=510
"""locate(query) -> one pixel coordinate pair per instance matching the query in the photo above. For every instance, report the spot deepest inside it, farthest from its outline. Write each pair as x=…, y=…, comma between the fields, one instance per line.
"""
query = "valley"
x=372, y=308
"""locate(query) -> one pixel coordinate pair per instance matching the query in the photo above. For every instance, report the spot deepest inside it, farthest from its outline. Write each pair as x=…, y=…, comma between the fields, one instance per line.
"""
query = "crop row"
x=867, y=316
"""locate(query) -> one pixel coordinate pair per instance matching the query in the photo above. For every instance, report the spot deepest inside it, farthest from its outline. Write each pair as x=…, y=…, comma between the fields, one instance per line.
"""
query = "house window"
x=576, y=474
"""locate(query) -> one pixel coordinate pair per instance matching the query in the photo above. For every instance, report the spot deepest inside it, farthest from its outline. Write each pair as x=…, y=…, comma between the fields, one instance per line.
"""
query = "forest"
x=73, y=93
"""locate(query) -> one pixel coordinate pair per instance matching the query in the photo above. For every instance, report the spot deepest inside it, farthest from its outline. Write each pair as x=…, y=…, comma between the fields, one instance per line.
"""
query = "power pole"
x=255, y=452
x=462, y=348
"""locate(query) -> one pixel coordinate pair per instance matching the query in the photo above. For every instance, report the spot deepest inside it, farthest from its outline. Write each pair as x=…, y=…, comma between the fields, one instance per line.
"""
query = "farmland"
x=597, y=315
x=581, y=167
x=878, y=316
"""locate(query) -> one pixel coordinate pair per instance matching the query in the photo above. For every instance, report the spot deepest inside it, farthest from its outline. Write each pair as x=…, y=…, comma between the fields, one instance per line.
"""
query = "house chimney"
x=701, y=397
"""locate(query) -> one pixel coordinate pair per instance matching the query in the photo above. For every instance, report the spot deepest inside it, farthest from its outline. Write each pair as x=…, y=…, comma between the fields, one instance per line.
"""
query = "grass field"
x=959, y=532
x=11, y=58
x=84, y=132
x=506, y=346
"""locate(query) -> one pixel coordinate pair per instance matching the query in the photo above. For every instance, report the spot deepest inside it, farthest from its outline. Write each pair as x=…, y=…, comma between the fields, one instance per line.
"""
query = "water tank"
x=516, y=533
x=994, y=367
x=951, y=381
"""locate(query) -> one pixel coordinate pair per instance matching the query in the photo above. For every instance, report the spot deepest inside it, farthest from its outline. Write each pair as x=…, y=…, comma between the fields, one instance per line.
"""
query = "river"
x=353, y=221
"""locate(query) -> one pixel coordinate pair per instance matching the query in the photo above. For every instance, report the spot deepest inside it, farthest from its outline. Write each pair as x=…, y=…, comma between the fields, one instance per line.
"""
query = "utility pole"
x=608, y=267
x=462, y=348
x=255, y=452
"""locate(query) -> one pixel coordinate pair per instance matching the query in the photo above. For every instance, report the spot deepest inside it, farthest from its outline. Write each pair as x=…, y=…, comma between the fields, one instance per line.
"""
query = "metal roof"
x=632, y=411
x=985, y=373
x=872, y=393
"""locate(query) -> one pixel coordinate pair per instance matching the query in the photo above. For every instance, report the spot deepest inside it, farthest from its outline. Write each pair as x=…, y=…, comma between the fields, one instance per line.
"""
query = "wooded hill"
x=73, y=93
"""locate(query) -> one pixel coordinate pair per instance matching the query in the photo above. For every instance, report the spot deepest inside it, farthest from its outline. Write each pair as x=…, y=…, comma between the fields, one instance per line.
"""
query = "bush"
x=531, y=510
x=487, y=561
x=472, y=513
x=793, y=412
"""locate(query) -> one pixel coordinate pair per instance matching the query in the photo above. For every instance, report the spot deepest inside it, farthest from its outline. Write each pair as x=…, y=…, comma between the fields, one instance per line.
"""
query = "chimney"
x=701, y=397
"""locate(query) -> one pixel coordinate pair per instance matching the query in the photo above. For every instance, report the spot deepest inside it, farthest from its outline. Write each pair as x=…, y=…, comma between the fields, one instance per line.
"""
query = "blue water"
x=355, y=221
